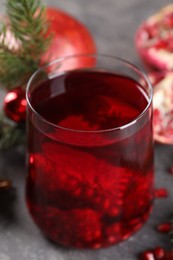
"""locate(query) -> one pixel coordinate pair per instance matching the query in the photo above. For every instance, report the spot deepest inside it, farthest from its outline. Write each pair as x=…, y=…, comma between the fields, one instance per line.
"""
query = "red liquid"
x=89, y=190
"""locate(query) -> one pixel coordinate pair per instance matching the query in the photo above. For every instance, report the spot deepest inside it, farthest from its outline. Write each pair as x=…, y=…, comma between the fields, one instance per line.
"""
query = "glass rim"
x=61, y=59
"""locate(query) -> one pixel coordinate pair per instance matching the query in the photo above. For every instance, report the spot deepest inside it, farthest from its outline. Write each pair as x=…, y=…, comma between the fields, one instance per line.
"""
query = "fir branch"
x=15, y=70
x=28, y=25
x=11, y=134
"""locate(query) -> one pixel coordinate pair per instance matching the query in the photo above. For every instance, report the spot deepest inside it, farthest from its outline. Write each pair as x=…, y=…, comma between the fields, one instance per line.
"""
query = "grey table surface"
x=113, y=24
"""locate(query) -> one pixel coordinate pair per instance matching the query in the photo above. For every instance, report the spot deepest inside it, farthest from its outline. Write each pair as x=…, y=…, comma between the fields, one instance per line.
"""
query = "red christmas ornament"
x=15, y=105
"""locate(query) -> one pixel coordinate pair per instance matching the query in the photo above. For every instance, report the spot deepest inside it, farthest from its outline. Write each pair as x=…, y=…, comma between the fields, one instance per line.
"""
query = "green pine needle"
x=29, y=26
x=11, y=134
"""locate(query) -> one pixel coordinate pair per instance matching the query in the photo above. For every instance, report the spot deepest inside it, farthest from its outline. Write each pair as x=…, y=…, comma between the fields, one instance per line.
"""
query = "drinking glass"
x=90, y=150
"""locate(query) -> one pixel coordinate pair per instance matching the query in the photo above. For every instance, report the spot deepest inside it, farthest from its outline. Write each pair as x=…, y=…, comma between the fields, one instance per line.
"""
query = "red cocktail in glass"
x=90, y=151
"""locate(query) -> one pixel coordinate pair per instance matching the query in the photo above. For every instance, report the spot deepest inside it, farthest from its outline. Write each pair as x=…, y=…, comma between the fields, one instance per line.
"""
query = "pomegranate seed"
x=161, y=193
x=170, y=44
x=159, y=252
x=168, y=20
x=152, y=31
x=171, y=170
x=161, y=44
x=147, y=255
x=165, y=227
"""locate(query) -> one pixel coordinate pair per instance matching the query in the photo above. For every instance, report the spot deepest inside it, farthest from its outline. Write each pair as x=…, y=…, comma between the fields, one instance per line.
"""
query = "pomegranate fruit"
x=154, y=40
x=70, y=37
x=162, y=106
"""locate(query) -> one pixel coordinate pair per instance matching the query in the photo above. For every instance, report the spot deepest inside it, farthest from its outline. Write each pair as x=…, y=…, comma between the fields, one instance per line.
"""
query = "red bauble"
x=15, y=105
x=70, y=37
x=154, y=40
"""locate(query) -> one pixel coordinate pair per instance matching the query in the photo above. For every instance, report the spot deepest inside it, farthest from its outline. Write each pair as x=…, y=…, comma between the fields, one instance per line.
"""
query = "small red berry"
x=159, y=252
x=147, y=255
x=164, y=227
x=161, y=193
x=171, y=170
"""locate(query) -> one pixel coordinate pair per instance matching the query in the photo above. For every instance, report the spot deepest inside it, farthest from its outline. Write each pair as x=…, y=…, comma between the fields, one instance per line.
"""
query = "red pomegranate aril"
x=170, y=43
x=164, y=227
x=161, y=44
x=165, y=44
x=147, y=255
x=171, y=170
x=168, y=20
x=152, y=31
x=159, y=253
x=161, y=193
